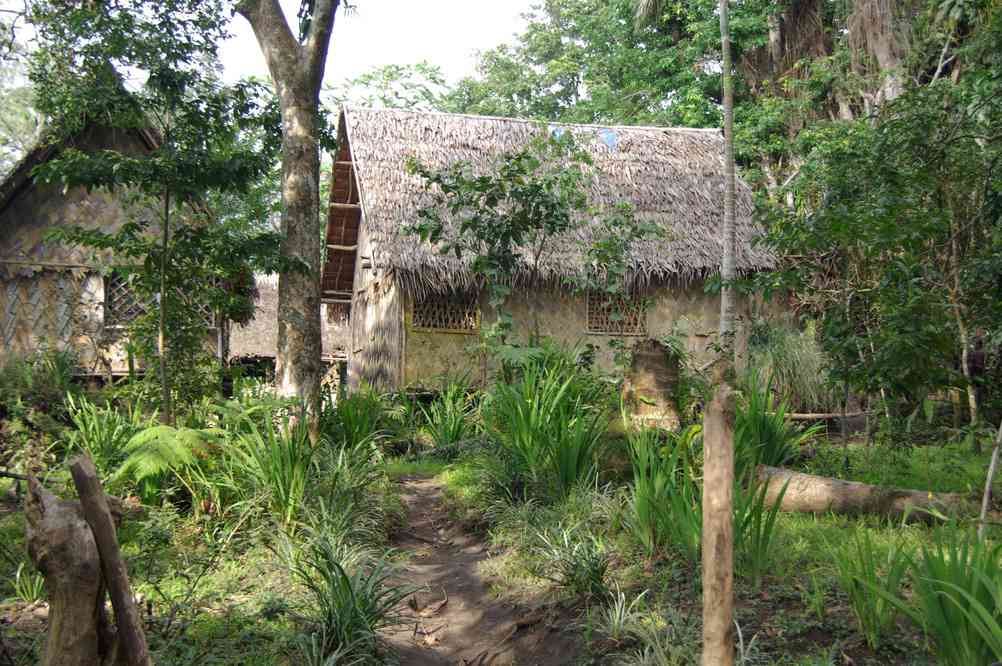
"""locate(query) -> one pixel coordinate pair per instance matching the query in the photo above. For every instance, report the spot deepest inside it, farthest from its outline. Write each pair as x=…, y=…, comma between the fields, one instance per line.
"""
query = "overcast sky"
x=446, y=33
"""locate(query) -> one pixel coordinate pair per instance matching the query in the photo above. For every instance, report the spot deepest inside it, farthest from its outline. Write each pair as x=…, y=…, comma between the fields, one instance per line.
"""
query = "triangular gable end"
x=344, y=220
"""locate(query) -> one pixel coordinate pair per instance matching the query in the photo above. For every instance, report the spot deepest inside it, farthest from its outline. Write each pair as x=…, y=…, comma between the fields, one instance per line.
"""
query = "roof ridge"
x=347, y=108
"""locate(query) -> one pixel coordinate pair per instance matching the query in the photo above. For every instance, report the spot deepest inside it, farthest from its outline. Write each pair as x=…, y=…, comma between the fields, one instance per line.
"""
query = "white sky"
x=446, y=33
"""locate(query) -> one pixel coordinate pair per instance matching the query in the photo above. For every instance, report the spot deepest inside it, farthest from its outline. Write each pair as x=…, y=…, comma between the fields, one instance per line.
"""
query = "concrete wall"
x=688, y=313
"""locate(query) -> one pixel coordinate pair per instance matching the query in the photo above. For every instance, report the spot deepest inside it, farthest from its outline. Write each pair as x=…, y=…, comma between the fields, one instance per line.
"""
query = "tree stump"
x=651, y=383
x=62, y=547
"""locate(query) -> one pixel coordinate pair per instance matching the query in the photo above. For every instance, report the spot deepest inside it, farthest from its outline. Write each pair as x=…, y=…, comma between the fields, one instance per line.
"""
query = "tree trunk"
x=166, y=410
x=718, y=529
x=807, y=493
x=297, y=69
x=62, y=547
x=718, y=465
x=297, y=367
x=728, y=240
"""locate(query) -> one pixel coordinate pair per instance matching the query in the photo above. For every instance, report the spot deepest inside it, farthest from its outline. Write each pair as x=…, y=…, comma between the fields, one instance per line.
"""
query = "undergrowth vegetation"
x=285, y=537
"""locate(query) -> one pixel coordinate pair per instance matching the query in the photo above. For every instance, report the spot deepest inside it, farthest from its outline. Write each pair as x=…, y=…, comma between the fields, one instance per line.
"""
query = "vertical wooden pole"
x=718, y=529
x=992, y=470
x=132, y=647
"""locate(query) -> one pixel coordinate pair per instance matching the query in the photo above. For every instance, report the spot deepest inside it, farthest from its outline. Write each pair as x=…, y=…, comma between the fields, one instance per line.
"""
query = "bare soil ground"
x=455, y=618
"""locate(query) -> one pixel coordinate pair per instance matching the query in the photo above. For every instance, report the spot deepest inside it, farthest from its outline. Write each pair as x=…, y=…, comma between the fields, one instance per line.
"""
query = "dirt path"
x=455, y=619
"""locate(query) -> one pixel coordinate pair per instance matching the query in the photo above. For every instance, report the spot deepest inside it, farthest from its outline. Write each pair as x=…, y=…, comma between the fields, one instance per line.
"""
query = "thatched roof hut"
x=671, y=176
x=410, y=305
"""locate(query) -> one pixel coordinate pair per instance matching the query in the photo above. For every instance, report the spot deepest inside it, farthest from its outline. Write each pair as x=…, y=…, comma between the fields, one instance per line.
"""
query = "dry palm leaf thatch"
x=672, y=177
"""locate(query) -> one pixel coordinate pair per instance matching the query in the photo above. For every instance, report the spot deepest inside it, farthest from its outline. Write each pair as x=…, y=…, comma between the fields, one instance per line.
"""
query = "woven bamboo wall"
x=57, y=309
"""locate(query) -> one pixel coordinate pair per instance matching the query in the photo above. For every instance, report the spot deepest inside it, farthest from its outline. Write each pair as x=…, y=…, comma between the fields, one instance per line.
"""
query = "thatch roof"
x=259, y=336
x=30, y=209
x=671, y=176
x=49, y=147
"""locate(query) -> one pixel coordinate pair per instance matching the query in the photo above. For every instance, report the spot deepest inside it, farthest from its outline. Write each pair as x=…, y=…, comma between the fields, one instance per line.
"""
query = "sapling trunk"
x=166, y=412
x=718, y=465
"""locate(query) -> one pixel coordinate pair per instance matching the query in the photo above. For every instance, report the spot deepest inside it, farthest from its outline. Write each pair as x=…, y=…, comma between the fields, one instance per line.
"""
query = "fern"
x=160, y=450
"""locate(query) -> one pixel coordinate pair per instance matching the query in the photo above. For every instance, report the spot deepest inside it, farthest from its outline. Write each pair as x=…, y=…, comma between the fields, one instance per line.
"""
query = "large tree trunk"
x=807, y=493
x=62, y=547
x=297, y=69
x=297, y=371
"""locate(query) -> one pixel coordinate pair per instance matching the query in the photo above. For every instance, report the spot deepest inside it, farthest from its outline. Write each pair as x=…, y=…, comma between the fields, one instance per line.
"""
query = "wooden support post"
x=132, y=647
x=718, y=529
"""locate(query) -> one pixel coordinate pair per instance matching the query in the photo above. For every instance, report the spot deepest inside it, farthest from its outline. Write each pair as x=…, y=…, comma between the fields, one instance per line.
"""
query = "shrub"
x=346, y=610
x=957, y=599
x=39, y=381
x=549, y=433
x=577, y=564
x=102, y=432
x=665, y=503
x=862, y=571
x=797, y=364
x=762, y=435
x=155, y=453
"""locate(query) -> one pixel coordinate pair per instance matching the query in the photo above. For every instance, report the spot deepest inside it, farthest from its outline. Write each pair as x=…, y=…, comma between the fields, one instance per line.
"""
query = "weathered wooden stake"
x=992, y=469
x=131, y=644
x=718, y=529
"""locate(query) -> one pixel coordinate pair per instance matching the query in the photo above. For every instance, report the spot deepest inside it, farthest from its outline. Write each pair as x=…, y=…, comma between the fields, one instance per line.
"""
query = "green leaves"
x=862, y=569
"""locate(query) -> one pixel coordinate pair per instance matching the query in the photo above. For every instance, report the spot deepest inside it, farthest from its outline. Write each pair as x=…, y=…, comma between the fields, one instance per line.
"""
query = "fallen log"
x=807, y=493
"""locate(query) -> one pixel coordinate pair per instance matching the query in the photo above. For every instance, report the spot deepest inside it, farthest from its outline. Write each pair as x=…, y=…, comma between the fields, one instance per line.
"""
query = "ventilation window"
x=122, y=305
x=612, y=314
x=455, y=313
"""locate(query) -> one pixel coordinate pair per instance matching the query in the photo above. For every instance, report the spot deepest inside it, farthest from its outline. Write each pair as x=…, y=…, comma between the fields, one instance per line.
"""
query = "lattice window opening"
x=123, y=304
x=455, y=313
x=614, y=314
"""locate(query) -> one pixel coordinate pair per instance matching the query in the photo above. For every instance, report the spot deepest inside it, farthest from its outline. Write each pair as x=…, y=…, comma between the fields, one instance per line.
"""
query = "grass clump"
x=755, y=528
x=665, y=506
x=345, y=610
x=578, y=564
x=871, y=579
x=548, y=432
x=762, y=433
x=957, y=599
x=449, y=419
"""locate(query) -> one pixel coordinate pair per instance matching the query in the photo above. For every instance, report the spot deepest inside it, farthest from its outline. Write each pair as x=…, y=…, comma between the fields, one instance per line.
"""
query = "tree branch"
x=318, y=41
x=280, y=48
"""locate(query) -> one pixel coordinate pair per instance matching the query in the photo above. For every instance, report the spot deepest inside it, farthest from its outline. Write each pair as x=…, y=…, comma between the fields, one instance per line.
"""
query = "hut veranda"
x=413, y=312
